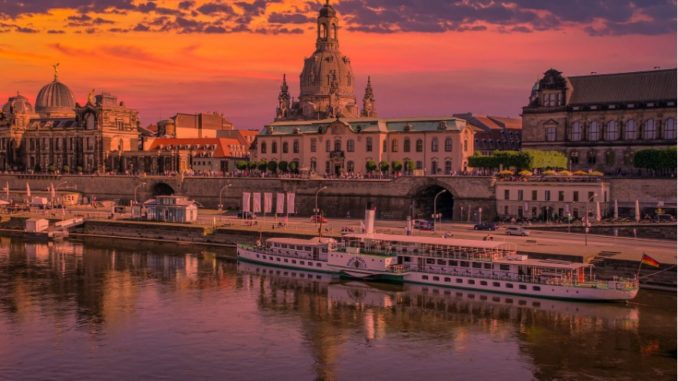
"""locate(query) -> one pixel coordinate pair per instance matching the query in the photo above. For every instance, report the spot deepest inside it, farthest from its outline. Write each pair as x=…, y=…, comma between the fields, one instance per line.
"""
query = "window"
x=534, y=195
x=295, y=146
x=496, y=284
x=507, y=194
x=476, y=265
x=561, y=195
x=575, y=196
x=314, y=165
x=419, y=146
x=419, y=165
x=448, y=144
x=448, y=167
x=337, y=145
x=522, y=287
x=394, y=145
x=448, y=279
x=591, y=157
x=575, y=132
x=630, y=131
x=509, y=285
x=350, y=167
x=520, y=195
x=471, y=281
x=406, y=145
x=286, y=147
x=459, y=280
x=424, y=277
x=483, y=283
x=649, y=130
x=536, y=288
x=328, y=146
x=504, y=267
x=550, y=134
x=436, y=278
x=612, y=130
x=465, y=145
x=350, y=145
x=263, y=147
x=487, y=266
x=594, y=132
x=385, y=146
x=463, y=264
x=314, y=145
x=434, y=145
x=368, y=145
x=670, y=128
x=452, y=263
x=434, y=167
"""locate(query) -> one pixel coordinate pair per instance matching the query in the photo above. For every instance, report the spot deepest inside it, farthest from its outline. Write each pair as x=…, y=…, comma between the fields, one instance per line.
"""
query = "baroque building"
x=599, y=121
x=61, y=135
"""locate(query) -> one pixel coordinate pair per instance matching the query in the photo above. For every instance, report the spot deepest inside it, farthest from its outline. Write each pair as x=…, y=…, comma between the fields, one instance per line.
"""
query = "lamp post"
x=435, y=207
x=316, y=210
x=135, y=191
x=221, y=191
x=586, y=222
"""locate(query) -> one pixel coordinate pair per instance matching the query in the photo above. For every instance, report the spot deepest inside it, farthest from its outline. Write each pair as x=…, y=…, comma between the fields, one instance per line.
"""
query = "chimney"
x=370, y=213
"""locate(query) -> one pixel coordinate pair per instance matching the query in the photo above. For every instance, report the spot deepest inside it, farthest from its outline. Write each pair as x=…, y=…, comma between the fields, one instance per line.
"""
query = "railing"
x=266, y=251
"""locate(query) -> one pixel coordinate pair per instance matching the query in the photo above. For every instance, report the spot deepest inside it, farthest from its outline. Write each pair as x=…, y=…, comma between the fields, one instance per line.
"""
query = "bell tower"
x=328, y=26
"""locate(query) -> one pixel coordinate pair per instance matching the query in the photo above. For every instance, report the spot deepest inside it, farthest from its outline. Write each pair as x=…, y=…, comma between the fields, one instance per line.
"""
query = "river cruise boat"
x=305, y=254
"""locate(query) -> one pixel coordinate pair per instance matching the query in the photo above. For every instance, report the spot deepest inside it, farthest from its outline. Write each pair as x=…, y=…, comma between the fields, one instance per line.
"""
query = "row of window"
x=58, y=143
x=482, y=282
x=350, y=166
x=613, y=131
x=575, y=196
x=369, y=145
x=293, y=261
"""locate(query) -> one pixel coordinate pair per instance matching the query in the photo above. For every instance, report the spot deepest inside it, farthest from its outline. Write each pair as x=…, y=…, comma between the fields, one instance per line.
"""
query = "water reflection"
x=139, y=310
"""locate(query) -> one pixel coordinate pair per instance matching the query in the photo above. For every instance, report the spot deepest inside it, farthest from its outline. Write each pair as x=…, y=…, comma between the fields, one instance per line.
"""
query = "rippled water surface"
x=102, y=310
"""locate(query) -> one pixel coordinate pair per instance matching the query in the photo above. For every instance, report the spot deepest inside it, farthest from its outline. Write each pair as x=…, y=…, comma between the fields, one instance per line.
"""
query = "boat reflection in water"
x=363, y=295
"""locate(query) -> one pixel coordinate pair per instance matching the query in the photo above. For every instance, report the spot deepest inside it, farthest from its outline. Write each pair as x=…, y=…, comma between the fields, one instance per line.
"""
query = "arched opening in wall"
x=422, y=203
x=162, y=189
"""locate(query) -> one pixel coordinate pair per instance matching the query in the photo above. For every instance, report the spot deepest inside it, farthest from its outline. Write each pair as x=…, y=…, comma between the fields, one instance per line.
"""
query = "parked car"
x=246, y=215
x=423, y=225
x=485, y=226
x=517, y=230
x=317, y=219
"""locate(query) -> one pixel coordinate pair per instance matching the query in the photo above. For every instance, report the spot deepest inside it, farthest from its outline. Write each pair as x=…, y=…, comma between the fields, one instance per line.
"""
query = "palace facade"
x=61, y=135
x=326, y=133
x=599, y=121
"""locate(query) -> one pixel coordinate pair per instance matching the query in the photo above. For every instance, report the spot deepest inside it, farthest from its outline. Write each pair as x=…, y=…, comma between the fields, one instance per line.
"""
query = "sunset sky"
x=426, y=58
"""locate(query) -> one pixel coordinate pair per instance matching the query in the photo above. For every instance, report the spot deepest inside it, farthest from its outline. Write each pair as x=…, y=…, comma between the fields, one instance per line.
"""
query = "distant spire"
x=284, y=101
x=369, y=109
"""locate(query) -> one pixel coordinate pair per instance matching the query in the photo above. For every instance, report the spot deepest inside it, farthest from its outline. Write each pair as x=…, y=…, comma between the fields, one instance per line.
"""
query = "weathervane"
x=56, y=71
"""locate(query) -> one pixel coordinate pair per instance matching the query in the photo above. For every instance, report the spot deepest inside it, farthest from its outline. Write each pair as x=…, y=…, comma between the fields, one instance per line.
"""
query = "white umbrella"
x=637, y=211
x=616, y=209
x=598, y=217
x=6, y=189
x=28, y=190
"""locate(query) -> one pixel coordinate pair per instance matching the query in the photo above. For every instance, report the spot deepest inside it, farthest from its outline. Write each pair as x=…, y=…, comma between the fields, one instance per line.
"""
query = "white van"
x=517, y=230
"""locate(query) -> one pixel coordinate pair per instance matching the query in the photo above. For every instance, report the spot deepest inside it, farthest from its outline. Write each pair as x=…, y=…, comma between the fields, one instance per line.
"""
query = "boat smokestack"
x=370, y=213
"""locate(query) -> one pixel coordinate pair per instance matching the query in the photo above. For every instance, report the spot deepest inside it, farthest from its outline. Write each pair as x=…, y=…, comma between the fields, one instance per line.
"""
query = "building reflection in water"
x=99, y=290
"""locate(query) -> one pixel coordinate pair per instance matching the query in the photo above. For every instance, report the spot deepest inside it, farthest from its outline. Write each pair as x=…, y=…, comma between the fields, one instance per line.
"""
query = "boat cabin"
x=315, y=248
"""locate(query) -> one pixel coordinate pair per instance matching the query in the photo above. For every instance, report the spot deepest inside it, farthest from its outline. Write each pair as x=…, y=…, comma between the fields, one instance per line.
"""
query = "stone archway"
x=162, y=189
x=422, y=202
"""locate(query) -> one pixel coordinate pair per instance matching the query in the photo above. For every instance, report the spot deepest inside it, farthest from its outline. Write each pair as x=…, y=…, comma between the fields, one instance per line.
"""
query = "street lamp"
x=316, y=210
x=221, y=191
x=135, y=191
x=586, y=221
x=435, y=207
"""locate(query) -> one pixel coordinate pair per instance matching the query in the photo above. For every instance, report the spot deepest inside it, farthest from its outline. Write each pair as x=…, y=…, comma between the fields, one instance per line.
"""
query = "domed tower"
x=55, y=100
x=327, y=78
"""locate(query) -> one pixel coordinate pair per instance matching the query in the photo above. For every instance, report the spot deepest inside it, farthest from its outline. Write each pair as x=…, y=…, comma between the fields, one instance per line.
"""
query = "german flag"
x=648, y=260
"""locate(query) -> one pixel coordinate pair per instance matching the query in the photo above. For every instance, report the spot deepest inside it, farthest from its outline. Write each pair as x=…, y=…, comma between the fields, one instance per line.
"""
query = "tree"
x=661, y=161
x=383, y=166
x=282, y=166
x=272, y=166
x=526, y=159
x=66, y=169
x=409, y=166
x=252, y=164
x=370, y=166
x=294, y=166
x=262, y=165
x=241, y=165
x=397, y=165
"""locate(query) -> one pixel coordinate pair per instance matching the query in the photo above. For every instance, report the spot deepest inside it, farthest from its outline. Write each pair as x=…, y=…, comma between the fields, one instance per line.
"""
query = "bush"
x=527, y=159
x=78, y=168
x=282, y=166
x=663, y=160
x=397, y=166
x=66, y=169
x=262, y=165
x=294, y=166
x=384, y=166
x=240, y=164
x=252, y=164
x=370, y=166
x=272, y=166
x=409, y=166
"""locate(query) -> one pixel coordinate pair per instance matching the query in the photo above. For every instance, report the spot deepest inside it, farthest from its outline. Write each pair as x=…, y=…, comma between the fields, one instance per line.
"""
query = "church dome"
x=55, y=98
x=17, y=105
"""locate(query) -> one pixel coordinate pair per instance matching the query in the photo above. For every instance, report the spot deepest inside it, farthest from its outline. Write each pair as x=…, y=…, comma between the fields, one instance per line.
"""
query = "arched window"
x=328, y=145
x=286, y=147
x=448, y=144
x=434, y=166
x=350, y=145
x=263, y=147
x=419, y=146
x=630, y=131
x=323, y=31
x=385, y=148
x=434, y=145
x=334, y=31
x=274, y=147
x=368, y=145
x=314, y=165
x=394, y=145
x=649, y=130
x=406, y=145
x=337, y=145
x=612, y=130
x=670, y=128
x=448, y=167
x=295, y=146
x=419, y=164
x=575, y=132
x=350, y=167
x=594, y=131
x=314, y=147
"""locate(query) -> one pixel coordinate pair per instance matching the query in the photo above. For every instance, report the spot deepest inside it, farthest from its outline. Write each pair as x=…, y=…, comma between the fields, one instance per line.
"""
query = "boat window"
x=286, y=260
x=324, y=250
x=448, y=280
x=459, y=280
x=471, y=281
x=509, y=301
x=318, y=264
x=504, y=267
x=522, y=287
x=430, y=261
x=522, y=302
x=487, y=265
x=483, y=297
x=477, y=265
x=436, y=278
x=536, y=288
x=496, y=284
x=299, y=247
x=463, y=264
x=302, y=263
x=453, y=263
x=277, y=259
x=496, y=299
x=509, y=285
x=307, y=248
x=441, y=261
x=424, y=277
x=483, y=283
x=294, y=261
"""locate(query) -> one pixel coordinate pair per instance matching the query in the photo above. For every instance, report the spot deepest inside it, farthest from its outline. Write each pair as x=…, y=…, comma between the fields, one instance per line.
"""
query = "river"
x=102, y=310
